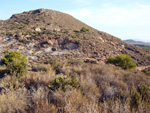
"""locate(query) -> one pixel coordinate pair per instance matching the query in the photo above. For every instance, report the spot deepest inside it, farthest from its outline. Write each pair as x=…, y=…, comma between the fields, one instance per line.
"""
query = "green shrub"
x=124, y=61
x=74, y=36
x=64, y=82
x=76, y=31
x=16, y=64
x=84, y=29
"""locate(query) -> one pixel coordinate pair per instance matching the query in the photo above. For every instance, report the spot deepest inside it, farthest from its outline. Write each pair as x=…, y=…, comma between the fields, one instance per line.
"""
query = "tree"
x=16, y=63
x=124, y=61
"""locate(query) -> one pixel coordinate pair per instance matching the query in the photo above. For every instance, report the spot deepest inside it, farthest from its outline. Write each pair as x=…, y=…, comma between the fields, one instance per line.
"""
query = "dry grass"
x=13, y=101
x=102, y=89
x=76, y=102
x=35, y=78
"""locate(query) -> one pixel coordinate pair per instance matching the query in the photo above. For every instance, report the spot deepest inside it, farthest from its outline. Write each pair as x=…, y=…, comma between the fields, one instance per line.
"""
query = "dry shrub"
x=57, y=98
x=89, y=88
x=11, y=82
x=77, y=103
x=39, y=94
x=143, y=108
x=44, y=107
x=34, y=78
x=103, y=75
x=72, y=70
x=41, y=67
x=13, y=101
x=57, y=64
x=110, y=92
x=73, y=102
x=119, y=106
x=40, y=101
x=115, y=107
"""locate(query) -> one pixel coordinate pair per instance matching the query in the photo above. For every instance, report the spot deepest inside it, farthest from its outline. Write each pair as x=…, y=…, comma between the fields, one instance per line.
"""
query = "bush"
x=16, y=64
x=84, y=29
x=40, y=67
x=57, y=64
x=124, y=61
x=64, y=82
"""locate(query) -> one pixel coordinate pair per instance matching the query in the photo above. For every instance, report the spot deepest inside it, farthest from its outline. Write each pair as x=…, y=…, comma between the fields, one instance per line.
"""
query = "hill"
x=130, y=41
x=140, y=44
x=41, y=34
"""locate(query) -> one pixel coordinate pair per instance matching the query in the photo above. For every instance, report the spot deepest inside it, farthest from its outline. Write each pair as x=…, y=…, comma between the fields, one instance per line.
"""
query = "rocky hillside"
x=41, y=34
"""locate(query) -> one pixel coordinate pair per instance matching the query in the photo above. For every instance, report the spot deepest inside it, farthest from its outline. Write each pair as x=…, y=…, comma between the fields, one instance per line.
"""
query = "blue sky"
x=126, y=19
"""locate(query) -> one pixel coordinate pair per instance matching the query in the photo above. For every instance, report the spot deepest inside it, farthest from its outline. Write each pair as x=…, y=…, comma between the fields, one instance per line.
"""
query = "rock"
x=38, y=52
x=64, y=52
x=51, y=42
x=54, y=49
x=10, y=41
x=48, y=49
x=38, y=29
x=32, y=57
x=73, y=46
x=29, y=52
x=30, y=44
x=2, y=45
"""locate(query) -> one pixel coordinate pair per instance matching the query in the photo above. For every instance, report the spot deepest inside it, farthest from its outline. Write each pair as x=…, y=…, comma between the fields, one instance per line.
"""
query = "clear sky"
x=126, y=19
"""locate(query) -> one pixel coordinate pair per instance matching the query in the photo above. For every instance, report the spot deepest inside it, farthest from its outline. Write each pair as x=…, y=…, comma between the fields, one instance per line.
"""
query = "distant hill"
x=140, y=44
x=41, y=34
x=130, y=41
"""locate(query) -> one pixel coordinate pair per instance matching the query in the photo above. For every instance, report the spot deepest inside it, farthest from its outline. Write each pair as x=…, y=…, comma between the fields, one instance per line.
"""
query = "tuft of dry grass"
x=34, y=78
x=13, y=101
x=76, y=102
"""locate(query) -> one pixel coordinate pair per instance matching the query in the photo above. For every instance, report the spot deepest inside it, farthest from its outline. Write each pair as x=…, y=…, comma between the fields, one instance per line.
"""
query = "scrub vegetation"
x=65, y=87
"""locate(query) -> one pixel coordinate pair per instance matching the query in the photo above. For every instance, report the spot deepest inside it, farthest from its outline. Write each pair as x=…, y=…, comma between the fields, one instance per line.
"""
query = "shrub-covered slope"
x=41, y=34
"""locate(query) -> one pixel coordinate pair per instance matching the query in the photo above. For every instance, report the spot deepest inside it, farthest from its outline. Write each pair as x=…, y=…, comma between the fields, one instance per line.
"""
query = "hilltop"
x=41, y=34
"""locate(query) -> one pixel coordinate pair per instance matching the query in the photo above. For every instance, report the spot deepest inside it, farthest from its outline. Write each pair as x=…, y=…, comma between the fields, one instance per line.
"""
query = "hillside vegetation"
x=68, y=86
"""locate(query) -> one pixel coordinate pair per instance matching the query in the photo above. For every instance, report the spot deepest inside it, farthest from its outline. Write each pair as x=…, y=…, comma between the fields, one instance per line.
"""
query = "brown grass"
x=102, y=89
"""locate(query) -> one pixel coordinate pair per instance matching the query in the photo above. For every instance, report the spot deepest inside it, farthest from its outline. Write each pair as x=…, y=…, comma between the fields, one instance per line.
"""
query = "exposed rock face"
x=38, y=11
x=49, y=33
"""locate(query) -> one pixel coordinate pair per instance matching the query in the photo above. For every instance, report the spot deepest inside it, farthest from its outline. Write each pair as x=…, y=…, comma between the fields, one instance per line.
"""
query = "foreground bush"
x=16, y=63
x=64, y=82
x=124, y=61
